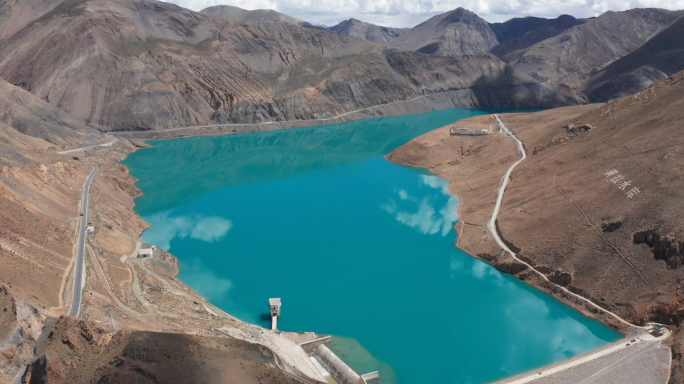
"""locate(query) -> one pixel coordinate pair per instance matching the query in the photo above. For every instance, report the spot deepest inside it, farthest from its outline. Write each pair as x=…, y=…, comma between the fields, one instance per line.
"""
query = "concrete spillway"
x=337, y=368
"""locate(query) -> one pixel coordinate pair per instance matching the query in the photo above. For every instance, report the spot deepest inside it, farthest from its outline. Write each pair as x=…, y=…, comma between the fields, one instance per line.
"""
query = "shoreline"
x=558, y=227
x=547, y=287
x=466, y=98
x=458, y=229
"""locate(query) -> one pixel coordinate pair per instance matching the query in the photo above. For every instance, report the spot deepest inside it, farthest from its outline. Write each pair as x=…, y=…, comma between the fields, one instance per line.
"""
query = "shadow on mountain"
x=78, y=351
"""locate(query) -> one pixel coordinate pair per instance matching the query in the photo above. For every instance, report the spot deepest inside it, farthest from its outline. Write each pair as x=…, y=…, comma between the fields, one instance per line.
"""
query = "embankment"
x=527, y=96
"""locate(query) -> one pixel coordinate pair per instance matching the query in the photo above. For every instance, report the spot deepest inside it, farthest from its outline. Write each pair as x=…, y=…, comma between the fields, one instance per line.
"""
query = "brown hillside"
x=148, y=65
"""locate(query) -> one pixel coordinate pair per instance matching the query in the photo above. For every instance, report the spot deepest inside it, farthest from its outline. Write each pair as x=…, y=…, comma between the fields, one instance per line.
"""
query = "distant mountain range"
x=140, y=65
x=565, y=50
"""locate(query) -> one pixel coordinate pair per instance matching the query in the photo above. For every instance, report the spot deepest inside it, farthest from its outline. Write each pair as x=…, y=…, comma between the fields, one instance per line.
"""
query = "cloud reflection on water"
x=427, y=219
x=568, y=337
x=166, y=228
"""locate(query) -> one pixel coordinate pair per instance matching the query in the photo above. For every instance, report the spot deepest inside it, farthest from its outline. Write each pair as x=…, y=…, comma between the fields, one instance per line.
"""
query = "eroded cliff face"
x=145, y=65
x=21, y=325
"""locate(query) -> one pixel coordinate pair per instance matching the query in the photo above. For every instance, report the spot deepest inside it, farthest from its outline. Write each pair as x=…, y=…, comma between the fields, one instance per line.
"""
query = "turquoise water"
x=355, y=246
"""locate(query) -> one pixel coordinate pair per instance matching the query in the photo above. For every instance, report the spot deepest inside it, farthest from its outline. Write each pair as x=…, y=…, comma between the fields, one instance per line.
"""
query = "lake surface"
x=354, y=245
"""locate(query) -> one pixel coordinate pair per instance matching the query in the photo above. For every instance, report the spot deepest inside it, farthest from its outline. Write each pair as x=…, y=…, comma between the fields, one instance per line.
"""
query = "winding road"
x=566, y=364
x=491, y=225
x=79, y=275
x=109, y=144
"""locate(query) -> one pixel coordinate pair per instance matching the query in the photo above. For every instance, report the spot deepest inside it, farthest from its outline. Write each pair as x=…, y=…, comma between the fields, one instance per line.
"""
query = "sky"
x=408, y=13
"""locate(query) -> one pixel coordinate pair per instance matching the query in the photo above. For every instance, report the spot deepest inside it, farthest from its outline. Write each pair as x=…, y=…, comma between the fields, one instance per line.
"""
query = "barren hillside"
x=147, y=65
x=367, y=31
x=570, y=57
x=230, y=12
x=658, y=58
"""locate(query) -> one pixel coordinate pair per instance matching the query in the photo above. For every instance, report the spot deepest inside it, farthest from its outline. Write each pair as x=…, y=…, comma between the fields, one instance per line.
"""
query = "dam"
x=319, y=218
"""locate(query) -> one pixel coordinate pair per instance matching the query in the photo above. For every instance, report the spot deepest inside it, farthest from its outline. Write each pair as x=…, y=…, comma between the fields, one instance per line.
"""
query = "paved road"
x=78, y=276
x=92, y=146
x=492, y=222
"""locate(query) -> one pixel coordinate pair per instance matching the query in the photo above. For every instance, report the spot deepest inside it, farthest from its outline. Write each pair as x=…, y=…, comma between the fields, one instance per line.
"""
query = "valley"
x=595, y=206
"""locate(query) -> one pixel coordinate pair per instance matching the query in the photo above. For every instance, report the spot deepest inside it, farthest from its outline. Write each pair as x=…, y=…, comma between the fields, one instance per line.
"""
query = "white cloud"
x=408, y=13
x=205, y=282
x=479, y=269
x=166, y=228
x=210, y=229
x=427, y=219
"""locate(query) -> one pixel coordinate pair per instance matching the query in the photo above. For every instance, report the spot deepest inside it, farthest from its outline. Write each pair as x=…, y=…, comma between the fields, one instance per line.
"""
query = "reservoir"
x=356, y=247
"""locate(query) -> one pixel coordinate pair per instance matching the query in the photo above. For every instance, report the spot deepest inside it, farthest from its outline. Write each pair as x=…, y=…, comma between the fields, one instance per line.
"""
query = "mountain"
x=121, y=65
x=367, y=31
x=458, y=32
x=520, y=33
x=516, y=27
x=234, y=13
x=570, y=57
x=14, y=14
x=29, y=123
x=655, y=60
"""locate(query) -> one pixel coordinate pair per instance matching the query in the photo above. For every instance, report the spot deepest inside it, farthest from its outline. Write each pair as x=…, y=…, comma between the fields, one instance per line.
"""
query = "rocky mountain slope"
x=613, y=235
x=15, y=14
x=146, y=65
x=520, y=33
x=367, y=31
x=20, y=328
x=230, y=12
x=572, y=56
x=24, y=118
x=458, y=32
x=658, y=58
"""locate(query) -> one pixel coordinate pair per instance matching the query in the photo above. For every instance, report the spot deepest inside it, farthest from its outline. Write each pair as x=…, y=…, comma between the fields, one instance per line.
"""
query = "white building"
x=145, y=252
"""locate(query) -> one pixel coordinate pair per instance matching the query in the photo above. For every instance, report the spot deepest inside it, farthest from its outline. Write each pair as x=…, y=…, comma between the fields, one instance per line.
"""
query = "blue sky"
x=408, y=13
